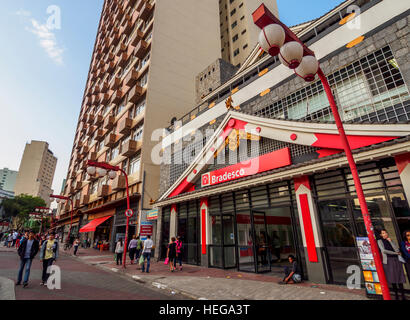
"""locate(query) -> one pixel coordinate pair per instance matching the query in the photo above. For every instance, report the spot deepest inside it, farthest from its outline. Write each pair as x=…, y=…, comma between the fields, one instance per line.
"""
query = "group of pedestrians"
x=174, y=254
x=137, y=249
x=28, y=249
x=12, y=238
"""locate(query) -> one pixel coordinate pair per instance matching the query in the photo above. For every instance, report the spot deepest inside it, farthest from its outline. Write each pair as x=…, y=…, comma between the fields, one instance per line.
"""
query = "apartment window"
x=230, y=1
x=120, y=108
x=236, y=37
x=233, y=12
x=245, y=46
x=139, y=109
x=244, y=31
x=241, y=5
x=135, y=164
x=236, y=52
x=145, y=60
x=138, y=133
x=144, y=80
x=234, y=24
x=243, y=17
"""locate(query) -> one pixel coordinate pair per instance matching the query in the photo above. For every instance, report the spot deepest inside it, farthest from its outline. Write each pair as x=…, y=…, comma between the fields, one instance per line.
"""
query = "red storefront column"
x=309, y=224
x=403, y=166
x=204, y=231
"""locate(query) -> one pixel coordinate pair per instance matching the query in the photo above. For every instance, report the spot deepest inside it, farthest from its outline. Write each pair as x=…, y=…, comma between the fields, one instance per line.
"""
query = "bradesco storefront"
x=299, y=201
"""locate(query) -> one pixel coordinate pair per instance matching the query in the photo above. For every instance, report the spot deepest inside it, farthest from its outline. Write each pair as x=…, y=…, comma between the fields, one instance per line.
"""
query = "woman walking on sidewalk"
x=119, y=249
x=171, y=254
x=48, y=254
x=76, y=244
x=132, y=248
x=179, y=253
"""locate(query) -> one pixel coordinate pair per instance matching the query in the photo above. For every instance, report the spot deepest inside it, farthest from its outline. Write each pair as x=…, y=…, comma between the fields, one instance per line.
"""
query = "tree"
x=20, y=207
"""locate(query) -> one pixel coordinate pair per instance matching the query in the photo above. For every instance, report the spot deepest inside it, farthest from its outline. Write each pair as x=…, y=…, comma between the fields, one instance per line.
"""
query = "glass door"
x=261, y=244
x=245, y=238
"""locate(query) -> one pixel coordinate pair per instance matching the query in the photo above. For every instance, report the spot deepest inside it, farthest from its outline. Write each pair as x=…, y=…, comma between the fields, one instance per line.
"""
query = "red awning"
x=89, y=227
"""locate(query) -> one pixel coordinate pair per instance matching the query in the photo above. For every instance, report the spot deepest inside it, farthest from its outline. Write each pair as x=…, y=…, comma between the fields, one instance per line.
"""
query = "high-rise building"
x=36, y=172
x=239, y=34
x=7, y=179
x=145, y=59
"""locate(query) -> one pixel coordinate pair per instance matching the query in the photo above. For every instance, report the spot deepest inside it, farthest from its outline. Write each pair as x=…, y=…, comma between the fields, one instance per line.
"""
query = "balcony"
x=110, y=56
x=127, y=28
x=123, y=58
x=121, y=48
x=99, y=135
x=135, y=93
x=126, y=18
x=114, y=40
x=104, y=98
x=109, y=122
x=79, y=145
x=116, y=83
x=84, y=150
x=119, y=183
x=117, y=96
x=84, y=164
x=125, y=125
x=110, y=140
x=130, y=148
x=92, y=156
x=95, y=99
x=98, y=120
x=90, y=118
x=103, y=191
x=78, y=185
x=146, y=10
x=131, y=78
x=72, y=175
x=76, y=203
x=71, y=190
x=136, y=37
x=103, y=87
x=110, y=66
x=141, y=49
x=84, y=199
x=90, y=130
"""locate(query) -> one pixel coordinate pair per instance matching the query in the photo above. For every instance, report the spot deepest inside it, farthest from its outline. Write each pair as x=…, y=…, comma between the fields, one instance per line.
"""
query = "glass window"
x=135, y=165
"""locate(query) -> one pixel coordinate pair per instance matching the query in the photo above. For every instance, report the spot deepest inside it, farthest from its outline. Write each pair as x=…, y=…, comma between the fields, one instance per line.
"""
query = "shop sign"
x=370, y=275
x=152, y=214
x=146, y=228
x=270, y=161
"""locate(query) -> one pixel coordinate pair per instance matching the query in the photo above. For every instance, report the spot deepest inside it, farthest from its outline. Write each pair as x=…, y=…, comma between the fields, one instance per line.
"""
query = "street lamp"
x=41, y=211
x=102, y=169
x=277, y=39
x=64, y=199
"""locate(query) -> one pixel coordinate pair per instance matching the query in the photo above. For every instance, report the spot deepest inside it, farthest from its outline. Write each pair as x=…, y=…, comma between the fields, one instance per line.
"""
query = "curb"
x=7, y=289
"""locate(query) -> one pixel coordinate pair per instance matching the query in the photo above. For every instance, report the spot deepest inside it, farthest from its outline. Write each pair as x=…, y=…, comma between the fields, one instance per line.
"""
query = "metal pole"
x=71, y=222
x=128, y=221
x=358, y=186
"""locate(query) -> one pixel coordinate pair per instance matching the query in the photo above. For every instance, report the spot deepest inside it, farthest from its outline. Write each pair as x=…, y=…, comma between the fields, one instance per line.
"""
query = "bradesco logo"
x=270, y=161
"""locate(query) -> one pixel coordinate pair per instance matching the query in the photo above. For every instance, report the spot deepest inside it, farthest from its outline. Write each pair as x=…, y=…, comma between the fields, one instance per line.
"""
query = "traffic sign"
x=129, y=213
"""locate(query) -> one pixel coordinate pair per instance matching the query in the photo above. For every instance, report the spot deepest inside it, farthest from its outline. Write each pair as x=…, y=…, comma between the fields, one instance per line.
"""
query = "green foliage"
x=20, y=207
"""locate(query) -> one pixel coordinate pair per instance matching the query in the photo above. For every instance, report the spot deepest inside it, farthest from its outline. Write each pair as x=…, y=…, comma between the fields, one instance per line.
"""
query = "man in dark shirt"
x=293, y=274
x=27, y=251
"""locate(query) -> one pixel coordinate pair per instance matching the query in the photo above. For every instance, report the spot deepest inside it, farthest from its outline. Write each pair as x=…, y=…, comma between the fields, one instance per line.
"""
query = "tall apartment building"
x=239, y=34
x=7, y=179
x=142, y=74
x=36, y=172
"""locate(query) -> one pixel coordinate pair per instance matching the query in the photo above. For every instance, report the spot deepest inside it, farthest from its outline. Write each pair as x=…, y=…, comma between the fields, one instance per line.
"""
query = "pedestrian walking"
x=293, y=274
x=146, y=253
x=179, y=253
x=9, y=240
x=48, y=254
x=132, y=248
x=405, y=248
x=392, y=263
x=14, y=237
x=119, y=249
x=27, y=251
x=172, y=254
x=76, y=244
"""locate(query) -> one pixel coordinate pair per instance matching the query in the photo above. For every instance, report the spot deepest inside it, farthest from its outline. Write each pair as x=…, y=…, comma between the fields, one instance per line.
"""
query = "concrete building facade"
x=36, y=172
x=142, y=74
x=239, y=35
x=7, y=179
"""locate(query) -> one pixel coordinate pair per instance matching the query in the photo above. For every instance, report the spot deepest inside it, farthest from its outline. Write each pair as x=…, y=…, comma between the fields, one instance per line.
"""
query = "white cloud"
x=47, y=41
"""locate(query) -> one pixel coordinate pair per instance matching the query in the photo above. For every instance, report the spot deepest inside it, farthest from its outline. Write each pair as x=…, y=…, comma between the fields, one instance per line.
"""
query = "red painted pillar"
x=403, y=166
x=204, y=214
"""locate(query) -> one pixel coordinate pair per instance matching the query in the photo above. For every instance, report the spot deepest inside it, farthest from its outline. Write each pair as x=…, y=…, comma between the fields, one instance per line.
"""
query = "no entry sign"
x=129, y=213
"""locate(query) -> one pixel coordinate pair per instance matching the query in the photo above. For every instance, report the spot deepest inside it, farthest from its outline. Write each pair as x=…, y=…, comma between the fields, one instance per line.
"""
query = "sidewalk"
x=215, y=284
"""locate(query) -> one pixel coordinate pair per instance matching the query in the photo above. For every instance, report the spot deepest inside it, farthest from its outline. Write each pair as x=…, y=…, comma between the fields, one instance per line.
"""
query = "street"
x=79, y=282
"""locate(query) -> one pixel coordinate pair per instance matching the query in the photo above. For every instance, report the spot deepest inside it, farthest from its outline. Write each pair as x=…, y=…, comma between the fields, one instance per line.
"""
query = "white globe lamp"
x=308, y=68
x=291, y=54
x=272, y=38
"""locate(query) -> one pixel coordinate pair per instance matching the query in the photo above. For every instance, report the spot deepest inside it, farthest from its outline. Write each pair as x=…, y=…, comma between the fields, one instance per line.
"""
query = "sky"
x=44, y=62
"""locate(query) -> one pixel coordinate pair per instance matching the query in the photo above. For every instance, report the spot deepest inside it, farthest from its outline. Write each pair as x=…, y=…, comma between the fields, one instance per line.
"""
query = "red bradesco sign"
x=270, y=161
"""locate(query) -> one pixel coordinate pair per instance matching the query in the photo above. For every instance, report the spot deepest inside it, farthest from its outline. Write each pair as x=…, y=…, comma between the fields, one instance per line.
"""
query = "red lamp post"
x=277, y=39
x=63, y=198
x=102, y=169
